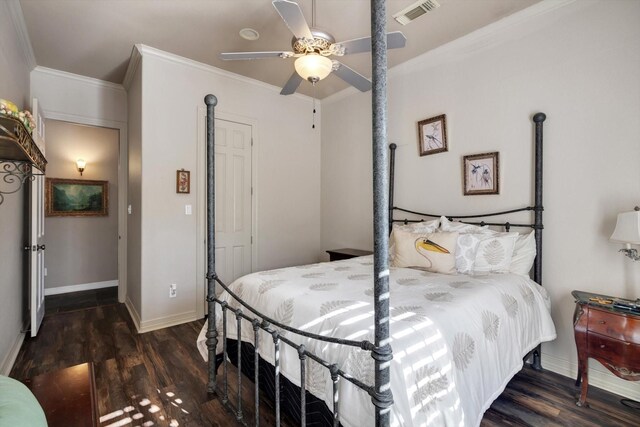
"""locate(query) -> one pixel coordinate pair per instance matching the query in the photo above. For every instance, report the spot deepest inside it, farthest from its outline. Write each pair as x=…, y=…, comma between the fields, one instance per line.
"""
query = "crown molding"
x=148, y=50
x=134, y=62
x=17, y=18
x=482, y=38
x=77, y=77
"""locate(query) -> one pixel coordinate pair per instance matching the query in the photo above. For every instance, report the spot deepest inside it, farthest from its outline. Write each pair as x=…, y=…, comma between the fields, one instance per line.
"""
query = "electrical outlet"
x=172, y=290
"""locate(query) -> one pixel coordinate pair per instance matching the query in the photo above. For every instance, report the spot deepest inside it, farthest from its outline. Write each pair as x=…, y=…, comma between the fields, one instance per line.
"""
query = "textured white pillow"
x=466, y=250
x=460, y=227
x=495, y=252
x=409, y=252
x=524, y=253
x=413, y=227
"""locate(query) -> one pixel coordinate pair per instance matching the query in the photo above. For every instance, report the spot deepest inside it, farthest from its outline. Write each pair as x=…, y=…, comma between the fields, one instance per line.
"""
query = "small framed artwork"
x=183, y=181
x=76, y=197
x=481, y=174
x=432, y=135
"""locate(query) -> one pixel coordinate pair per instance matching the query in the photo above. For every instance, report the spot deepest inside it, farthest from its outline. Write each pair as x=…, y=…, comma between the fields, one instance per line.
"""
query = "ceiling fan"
x=312, y=47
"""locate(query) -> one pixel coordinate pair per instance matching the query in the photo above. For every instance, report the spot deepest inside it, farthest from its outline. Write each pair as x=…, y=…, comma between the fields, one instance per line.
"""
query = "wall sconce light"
x=80, y=163
x=628, y=232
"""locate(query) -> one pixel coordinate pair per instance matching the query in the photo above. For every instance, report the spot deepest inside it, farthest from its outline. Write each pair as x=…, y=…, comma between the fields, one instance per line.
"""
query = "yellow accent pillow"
x=434, y=252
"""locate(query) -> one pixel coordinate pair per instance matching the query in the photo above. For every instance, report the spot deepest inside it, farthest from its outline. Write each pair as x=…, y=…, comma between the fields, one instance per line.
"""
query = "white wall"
x=82, y=250
x=580, y=64
x=14, y=85
x=287, y=175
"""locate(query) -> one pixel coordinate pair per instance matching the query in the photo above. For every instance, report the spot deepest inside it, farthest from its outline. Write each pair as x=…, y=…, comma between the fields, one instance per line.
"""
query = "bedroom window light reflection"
x=333, y=313
x=357, y=318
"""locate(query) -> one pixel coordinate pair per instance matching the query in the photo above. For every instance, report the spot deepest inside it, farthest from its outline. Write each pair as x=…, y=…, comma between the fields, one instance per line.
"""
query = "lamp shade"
x=627, y=228
x=313, y=67
x=81, y=163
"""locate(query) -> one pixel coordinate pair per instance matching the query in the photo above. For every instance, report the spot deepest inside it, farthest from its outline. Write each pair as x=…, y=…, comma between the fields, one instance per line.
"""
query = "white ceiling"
x=94, y=38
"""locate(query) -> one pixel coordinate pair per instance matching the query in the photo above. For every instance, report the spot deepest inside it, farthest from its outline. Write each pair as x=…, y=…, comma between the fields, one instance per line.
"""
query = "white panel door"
x=233, y=199
x=36, y=260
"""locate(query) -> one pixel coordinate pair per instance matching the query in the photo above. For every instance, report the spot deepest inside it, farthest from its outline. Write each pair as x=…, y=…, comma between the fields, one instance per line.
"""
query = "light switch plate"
x=187, y=209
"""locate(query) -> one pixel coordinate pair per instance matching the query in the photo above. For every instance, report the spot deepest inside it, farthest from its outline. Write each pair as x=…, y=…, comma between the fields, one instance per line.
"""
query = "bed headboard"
x=479, y=219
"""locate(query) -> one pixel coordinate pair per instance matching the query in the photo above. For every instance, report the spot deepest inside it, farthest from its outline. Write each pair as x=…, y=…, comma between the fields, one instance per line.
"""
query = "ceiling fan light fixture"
x=313, y=67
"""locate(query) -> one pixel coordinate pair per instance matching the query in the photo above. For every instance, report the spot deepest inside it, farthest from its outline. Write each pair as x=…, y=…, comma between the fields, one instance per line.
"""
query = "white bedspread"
x=457, y=340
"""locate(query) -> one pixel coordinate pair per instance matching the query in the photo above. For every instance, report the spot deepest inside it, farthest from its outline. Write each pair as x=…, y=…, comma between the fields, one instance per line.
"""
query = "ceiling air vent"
x=415, y=10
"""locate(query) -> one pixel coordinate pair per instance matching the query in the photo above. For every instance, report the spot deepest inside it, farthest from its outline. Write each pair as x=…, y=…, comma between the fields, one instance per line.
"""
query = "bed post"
x=538, y=119
x=381, y=394
x=392, y=173
x=212, y=333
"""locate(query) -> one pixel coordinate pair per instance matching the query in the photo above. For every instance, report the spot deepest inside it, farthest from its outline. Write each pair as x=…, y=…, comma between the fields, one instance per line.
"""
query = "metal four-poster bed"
x=383, y=209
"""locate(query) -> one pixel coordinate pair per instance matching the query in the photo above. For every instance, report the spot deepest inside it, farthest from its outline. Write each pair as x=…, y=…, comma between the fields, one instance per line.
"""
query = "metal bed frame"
x=383, y=209
x=537, y=208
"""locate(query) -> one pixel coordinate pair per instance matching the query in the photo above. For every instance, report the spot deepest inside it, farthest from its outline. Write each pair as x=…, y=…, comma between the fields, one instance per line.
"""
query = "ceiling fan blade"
x=394, y=40
x=293, y=17
x=254, y=55
x=292, y=84
x=354, y=78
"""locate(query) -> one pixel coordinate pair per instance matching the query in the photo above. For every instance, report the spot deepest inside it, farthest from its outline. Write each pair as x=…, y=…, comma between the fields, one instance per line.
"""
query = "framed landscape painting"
x=76, y=197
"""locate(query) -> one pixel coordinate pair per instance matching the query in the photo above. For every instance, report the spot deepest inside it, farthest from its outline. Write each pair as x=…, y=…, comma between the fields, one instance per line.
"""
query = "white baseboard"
x=12, y=355
x=133, y=313
x=143, y=326
x=166, y=322
x=83, y=287
x=598, y=378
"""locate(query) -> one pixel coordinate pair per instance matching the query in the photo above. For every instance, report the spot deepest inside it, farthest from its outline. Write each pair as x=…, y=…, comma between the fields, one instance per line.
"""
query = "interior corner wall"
x=14, y=86
x=580, y=65
x=82, y=250
x=287, y=174
x=134, y=217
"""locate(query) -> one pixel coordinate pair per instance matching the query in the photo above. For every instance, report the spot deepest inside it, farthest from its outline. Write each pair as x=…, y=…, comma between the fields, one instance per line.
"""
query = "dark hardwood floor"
x=160, y=377
x=80, y=300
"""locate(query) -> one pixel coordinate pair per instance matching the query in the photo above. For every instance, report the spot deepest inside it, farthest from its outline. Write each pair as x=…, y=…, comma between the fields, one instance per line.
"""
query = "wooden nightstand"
x=346, y=253
x=608, y=334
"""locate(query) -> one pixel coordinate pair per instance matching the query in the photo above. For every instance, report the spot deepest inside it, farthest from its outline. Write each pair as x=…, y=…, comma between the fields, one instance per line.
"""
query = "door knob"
x=40, y=247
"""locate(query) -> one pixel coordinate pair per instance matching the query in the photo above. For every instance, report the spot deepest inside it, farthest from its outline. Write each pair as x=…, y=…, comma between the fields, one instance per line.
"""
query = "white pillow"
x=460, y=227
x=524, y=253
x=466, y=250
x=430, y=251
x=495, y=252
x=413, y=227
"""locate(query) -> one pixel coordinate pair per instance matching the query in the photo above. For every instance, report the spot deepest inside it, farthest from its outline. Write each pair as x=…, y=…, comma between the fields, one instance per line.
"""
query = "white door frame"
x=201, y=239
x=36, y=249
x=123, y=175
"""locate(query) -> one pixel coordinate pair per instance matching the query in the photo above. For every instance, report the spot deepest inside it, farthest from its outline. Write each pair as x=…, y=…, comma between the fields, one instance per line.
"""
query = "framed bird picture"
x=481, y=173
x=432, y=135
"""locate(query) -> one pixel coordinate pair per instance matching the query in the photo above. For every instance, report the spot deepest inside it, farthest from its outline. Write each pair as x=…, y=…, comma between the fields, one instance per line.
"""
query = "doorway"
x=82, y=251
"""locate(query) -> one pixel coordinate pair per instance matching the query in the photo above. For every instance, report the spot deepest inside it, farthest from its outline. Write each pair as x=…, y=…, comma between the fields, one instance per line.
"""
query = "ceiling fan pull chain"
x=313, y=119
